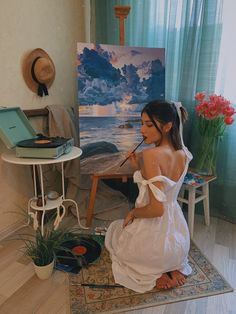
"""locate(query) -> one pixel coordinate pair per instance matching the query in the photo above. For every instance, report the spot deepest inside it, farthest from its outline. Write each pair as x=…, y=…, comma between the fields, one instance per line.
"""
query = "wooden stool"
x=196, y=193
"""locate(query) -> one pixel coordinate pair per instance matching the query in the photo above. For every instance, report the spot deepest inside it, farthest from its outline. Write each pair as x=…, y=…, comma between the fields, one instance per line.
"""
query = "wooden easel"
x=121, y=12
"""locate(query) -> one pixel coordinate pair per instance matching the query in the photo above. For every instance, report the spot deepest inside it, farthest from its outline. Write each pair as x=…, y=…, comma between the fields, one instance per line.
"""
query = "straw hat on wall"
x=38, y=71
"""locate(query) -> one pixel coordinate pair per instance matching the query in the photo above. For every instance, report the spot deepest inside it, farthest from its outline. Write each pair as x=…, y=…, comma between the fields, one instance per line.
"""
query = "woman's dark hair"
x=164, y=112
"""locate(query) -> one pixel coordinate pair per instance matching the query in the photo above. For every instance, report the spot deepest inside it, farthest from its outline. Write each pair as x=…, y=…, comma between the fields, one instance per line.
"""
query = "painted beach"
x=124, y=132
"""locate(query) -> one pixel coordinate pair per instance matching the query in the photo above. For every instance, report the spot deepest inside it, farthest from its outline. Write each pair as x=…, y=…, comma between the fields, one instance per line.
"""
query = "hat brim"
x=26, y=68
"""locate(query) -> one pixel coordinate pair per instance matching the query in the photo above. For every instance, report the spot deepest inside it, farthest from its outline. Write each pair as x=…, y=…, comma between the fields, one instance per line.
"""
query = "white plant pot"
x=44, y=272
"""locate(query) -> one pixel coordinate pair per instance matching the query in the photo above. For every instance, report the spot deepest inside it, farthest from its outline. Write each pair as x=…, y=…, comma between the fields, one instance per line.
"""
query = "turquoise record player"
x=17, y=132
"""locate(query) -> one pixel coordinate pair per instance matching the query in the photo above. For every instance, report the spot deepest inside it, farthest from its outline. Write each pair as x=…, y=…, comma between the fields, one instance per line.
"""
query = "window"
x=226, y=74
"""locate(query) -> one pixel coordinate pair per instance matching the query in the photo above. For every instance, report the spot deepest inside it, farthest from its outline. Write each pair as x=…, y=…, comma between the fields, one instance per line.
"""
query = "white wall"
x=55, y=26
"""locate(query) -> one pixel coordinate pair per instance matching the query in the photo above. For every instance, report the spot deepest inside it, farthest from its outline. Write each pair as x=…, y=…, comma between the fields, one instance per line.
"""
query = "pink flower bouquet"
x=214, y=114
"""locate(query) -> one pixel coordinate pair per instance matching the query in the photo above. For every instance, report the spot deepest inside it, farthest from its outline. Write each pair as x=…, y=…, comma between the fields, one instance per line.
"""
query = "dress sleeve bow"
x=143, y=197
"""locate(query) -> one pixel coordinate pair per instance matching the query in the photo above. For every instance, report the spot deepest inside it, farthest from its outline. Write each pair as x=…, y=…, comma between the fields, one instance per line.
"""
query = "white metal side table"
x=58, y=204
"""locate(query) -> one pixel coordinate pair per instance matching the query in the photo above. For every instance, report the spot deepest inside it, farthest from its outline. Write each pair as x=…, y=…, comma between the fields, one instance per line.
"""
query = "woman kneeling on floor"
x=150, y=246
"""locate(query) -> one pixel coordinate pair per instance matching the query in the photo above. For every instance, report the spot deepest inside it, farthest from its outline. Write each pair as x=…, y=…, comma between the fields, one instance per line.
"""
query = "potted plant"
x=43, y=249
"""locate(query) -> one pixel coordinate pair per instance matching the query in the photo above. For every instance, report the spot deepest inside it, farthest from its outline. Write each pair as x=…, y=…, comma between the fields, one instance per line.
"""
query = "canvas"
x=114, y=83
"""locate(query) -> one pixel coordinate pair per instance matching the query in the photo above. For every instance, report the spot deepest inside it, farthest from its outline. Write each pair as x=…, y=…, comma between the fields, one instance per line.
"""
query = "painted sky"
x=109, y=74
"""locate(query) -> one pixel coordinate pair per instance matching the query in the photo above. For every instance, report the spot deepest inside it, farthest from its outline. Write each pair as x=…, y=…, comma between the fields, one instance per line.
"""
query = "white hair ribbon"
x=178, y=105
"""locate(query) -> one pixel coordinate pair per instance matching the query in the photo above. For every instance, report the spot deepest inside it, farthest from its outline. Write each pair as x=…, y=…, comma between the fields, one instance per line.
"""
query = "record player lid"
x=14, y=126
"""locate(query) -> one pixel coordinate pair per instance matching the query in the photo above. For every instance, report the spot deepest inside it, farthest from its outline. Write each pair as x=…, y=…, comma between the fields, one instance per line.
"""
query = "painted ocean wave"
x=124, y=132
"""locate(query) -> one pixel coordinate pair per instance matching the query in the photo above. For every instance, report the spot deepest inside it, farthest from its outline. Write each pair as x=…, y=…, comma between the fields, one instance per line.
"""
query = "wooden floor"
x=22, y=293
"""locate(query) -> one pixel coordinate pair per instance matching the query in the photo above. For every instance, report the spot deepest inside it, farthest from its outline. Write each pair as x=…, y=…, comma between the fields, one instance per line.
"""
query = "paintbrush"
x=132, y=152
x=94, y=285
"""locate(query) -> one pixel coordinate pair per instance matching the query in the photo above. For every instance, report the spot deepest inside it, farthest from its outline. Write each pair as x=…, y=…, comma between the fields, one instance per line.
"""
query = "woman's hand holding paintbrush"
x=132, y=153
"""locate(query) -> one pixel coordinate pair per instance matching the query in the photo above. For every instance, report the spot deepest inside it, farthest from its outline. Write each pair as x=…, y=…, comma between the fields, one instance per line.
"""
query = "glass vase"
x=206, y=156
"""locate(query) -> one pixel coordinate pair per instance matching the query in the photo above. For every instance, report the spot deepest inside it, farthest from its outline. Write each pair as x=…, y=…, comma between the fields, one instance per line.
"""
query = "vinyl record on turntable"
x=86, y=249
x=43, y=142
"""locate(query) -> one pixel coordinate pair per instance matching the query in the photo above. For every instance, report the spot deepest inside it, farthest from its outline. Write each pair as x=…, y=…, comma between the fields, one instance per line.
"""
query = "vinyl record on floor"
x=86, y=248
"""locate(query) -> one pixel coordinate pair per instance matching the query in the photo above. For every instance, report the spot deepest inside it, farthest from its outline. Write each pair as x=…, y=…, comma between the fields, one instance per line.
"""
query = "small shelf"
x=50, y=204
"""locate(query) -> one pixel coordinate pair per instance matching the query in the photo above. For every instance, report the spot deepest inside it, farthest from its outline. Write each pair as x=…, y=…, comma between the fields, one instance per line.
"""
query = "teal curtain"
x=190, y=31
x=224, y=201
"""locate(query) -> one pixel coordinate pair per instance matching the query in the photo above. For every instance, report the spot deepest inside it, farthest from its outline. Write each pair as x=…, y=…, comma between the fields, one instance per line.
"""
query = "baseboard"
x=11, y=229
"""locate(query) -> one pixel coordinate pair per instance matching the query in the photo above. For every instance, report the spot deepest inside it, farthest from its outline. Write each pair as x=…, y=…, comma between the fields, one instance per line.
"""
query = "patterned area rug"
x=205, y=281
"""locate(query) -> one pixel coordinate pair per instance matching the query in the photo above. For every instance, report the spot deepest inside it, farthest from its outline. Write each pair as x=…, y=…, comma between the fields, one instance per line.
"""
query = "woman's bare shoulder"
x=150, y=155
x=151, y=165
x=180, y=155
x=155, y=153
x=162, y=160
x=152, y=151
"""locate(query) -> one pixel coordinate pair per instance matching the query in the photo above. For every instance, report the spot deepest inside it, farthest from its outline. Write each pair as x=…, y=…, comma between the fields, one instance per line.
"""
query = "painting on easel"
x=114, y=84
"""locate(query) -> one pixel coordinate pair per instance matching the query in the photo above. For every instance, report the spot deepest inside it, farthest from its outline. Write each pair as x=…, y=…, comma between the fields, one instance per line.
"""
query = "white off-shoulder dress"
x=148, y=247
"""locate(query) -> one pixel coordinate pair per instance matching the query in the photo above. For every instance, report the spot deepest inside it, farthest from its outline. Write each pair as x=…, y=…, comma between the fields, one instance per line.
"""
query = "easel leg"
x=92, y=200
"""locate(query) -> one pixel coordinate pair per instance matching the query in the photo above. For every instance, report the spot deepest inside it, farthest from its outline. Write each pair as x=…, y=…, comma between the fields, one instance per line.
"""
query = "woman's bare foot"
x=178, y=277
x=165, y=282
